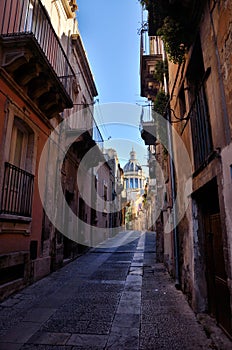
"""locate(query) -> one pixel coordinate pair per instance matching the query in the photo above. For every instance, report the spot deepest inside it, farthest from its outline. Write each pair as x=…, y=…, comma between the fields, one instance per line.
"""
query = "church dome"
x=132, y=165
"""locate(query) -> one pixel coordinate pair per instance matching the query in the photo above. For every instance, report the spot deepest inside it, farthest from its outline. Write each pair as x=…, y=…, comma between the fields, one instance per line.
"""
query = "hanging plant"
x=157, y=11
x=165, y=153
x=159, y=107
x=176, y=23
x=160, y=102
x=175, y=39
x=161, y=68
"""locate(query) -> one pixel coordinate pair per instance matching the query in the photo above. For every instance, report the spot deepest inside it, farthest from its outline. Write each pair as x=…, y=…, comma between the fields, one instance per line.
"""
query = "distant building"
x=134, y=177
x=116, y=217
x=134, y=185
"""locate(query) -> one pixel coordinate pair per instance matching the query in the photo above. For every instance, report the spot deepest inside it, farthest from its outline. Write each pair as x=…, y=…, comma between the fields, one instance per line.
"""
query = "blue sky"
x=109, y=30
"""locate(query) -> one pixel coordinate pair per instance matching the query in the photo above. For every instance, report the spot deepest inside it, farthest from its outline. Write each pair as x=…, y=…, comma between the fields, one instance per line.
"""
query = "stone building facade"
x=199, y=100
x=116, y=204
x=45, y=83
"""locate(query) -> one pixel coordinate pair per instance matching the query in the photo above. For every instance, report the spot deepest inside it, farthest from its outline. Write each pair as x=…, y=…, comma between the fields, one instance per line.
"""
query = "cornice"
x=76, y=40
x=21, y=94
x=70, y=7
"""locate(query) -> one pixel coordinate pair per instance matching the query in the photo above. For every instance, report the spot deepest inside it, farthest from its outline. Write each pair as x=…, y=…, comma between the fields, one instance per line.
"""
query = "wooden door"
x=218, y=291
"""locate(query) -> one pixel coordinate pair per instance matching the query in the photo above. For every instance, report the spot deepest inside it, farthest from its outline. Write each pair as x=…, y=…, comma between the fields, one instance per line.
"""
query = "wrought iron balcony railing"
x=148, y=127
x=151, y=45
x=17, y=191
x=82, y=119
x=30, y=18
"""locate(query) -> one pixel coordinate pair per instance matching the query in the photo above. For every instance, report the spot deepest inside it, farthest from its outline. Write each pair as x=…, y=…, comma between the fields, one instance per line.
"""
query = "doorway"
x=216, y=277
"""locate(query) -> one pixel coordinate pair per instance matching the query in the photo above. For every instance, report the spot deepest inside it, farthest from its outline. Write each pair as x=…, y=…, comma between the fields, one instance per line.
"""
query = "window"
x=199, y=113
x=94, y=201
x=151, y=69
x=19, y=144
x=81, y=212
x=155, y=45
x=136, y=183
x=126, y=183
x=17, y=190
x=105, y=197
x=182, y=102
x=105, y=193
x=22, y=145
x=131, y=183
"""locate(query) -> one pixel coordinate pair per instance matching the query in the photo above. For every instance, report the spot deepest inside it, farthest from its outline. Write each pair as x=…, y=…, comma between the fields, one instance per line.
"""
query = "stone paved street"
x=113, y=297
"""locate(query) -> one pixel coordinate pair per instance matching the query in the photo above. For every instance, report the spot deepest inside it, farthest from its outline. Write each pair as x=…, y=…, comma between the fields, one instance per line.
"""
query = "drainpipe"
x=172, y=174
x=174, y=209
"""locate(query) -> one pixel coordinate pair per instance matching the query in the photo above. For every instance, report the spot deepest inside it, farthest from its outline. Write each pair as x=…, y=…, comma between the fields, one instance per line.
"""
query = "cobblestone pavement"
x=110, y=298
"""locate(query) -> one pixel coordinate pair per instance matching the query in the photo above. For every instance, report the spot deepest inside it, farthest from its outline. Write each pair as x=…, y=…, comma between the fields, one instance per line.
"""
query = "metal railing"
x=29, y=17
x=201, y=132
x=82, y=118
x=146, y=114
x=17, y=191
x=148, y=127
x=151, y=45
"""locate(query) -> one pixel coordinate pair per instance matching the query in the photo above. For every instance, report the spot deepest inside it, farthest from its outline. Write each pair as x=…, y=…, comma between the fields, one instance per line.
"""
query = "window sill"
x=15, y=218
x=213, y=155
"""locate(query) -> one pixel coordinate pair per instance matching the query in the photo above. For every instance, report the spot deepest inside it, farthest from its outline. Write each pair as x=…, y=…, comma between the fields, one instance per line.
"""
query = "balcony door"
x=218, y=291
x=19, y=145
x=18, y=181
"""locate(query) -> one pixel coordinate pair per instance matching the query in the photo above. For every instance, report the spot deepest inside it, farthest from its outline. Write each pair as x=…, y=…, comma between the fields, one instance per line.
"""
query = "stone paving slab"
x=86, y=340
x=123, y=339
x=167, y=321
x=38, y=315
x=127, y=320
x=49, y=338
x=9, y=346
x=113, y=297
x=21, y=333
x=47, y=347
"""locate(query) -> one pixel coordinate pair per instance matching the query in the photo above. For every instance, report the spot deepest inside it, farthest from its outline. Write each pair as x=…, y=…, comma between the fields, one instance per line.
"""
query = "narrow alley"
x=109, y=298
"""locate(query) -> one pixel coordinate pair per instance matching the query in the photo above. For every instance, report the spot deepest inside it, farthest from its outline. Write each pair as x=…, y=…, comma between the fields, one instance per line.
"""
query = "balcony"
x=83, y=133
x=186, y=12
x=147, y=132
x=149, y=85
x=151, y=53
x=33, y=56
x=148, y=129
x=17, y=192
